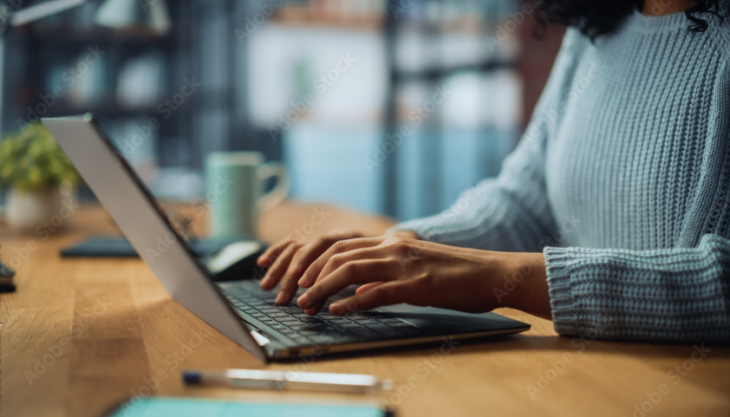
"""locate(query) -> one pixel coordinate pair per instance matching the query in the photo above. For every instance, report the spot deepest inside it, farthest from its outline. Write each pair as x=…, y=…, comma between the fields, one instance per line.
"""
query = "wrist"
x=528, y=279
x=405, y=233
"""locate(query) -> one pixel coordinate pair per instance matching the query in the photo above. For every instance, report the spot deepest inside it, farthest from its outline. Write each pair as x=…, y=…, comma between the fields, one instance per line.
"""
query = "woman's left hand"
x=395, y=269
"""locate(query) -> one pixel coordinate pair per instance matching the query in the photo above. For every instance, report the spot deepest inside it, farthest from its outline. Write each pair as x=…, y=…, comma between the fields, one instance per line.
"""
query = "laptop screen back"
x=137, y=214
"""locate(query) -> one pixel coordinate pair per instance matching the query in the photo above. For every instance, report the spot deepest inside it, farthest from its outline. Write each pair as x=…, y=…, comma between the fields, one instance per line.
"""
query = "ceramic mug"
x=235, y=191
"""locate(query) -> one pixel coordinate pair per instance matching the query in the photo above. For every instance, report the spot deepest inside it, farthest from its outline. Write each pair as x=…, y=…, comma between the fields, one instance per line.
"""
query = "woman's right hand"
x=287, y=260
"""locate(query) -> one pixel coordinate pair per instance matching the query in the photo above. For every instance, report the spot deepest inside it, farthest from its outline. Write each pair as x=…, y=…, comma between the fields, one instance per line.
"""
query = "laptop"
x=240, y=309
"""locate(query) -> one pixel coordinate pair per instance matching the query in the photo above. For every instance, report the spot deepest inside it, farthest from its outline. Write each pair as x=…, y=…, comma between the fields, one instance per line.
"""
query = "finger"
x=273, y=251
x=308, y=254
x=340, y=259
x=386, y=294
x=355, y=272
x=367, y=287
x=313, y=311
x=314, y=270
x=273, y=275
x=299, y=263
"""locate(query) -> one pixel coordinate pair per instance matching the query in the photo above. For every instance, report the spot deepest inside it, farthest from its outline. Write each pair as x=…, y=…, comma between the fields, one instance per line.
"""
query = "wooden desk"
x=111, y=331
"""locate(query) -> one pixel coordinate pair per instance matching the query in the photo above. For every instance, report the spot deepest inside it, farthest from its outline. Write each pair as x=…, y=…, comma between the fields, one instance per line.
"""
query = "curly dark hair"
x=601, y=17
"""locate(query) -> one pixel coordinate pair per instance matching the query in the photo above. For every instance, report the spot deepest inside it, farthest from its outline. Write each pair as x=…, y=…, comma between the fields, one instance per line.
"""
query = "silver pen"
x=288, y=380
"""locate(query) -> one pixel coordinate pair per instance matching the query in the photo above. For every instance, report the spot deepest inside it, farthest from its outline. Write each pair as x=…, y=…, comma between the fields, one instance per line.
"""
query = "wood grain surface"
x=79, y=336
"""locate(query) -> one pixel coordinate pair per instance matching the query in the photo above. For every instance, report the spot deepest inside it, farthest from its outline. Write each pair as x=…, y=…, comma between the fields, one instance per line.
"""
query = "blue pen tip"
x=190, y=377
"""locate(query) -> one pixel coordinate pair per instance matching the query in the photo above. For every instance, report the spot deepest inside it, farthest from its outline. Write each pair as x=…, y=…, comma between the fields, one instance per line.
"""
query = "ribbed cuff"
x=563, y=303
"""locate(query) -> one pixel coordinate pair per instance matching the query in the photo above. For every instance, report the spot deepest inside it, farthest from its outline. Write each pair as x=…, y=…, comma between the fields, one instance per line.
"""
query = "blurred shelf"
x=61, y=38
x=432, y=74
x=102, y=109
x=307, y=17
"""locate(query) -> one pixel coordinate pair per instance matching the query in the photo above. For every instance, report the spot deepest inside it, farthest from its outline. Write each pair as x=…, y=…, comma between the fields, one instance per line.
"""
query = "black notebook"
x=119, y=247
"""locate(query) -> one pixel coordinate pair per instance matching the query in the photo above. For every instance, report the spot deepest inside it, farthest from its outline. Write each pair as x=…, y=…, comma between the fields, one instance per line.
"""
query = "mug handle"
x=279, y=192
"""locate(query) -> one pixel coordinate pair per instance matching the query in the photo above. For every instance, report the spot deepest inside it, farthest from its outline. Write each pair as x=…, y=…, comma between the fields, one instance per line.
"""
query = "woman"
x=612, y=217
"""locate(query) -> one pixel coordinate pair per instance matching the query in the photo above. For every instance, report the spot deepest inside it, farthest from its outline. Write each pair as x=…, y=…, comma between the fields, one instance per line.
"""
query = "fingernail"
x=337, y=308
x=281, y=297
x=302, y=281
x=303, y=301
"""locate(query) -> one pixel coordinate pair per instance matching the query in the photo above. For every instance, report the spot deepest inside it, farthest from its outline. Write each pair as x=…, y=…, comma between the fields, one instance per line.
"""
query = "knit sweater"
x=622, y=180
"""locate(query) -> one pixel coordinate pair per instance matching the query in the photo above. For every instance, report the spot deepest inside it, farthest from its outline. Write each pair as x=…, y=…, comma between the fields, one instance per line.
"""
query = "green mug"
x=235, y=191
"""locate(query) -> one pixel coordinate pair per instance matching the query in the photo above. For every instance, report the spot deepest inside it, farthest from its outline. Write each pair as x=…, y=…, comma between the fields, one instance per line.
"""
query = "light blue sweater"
x=622, y=179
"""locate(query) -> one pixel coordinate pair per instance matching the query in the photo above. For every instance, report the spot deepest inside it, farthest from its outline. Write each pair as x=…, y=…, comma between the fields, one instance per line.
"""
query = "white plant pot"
x=30, y=210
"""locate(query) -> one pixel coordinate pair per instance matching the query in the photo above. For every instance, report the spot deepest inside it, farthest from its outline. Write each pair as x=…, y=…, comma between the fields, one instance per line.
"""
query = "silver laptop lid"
x=147, y=228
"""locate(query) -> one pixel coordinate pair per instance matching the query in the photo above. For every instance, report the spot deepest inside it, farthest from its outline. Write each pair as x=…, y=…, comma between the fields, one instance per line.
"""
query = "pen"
x=287, y=380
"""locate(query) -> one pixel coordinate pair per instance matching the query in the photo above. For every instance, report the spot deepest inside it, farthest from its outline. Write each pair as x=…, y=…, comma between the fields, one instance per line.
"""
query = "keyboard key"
x=311, y=320
x=289, y=321
x=300, y=340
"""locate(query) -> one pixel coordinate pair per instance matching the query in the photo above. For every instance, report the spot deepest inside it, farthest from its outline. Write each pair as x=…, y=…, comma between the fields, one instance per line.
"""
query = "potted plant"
x=39, y=177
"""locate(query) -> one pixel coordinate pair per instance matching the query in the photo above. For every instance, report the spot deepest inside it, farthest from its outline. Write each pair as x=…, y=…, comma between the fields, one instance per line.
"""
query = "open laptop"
x=240, y=309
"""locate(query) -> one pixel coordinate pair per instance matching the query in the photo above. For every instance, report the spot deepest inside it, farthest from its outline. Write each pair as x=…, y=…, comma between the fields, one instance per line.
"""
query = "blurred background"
x=384, y=106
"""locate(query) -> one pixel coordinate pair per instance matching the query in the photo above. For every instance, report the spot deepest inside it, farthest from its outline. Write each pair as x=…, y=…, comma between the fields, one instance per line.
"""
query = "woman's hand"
x=287, y=260
x=397, y=269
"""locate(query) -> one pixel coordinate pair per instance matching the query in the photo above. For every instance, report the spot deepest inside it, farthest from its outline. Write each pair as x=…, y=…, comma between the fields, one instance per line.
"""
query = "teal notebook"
x=190, y=407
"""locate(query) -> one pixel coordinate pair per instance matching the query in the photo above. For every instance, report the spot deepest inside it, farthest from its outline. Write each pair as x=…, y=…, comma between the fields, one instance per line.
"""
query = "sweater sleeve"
x=676, y=295
x=511, y=212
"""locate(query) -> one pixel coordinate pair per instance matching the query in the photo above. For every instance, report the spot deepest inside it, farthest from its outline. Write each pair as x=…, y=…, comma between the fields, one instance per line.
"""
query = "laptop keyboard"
x=257, y=307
